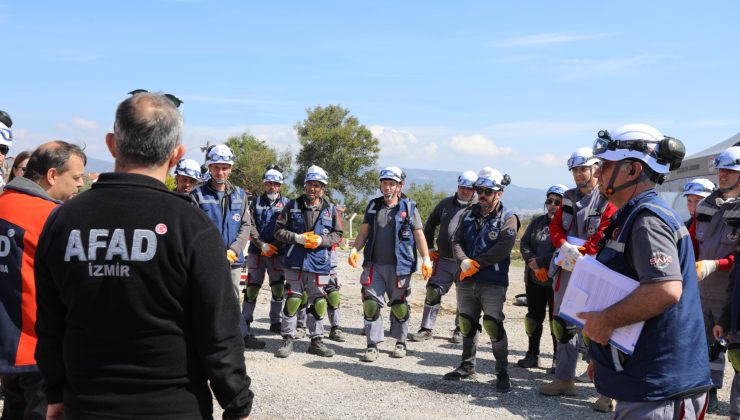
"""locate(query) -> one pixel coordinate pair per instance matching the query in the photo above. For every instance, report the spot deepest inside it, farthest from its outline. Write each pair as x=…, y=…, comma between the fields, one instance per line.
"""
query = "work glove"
x=433, y=255
x=468, y=268
x=569, y=254
x=705, y=268
x=541, y=274
x=354, y=258
x=231, y=256
x=313, y=240
x=268, y=250
x=427, y=268
x=300, y=239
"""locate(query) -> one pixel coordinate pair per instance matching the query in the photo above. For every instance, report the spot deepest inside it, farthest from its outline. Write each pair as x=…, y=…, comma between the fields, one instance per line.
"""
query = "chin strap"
x=611, y=189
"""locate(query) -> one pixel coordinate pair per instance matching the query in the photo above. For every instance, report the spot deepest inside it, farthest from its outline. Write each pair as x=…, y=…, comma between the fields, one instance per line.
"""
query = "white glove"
x=465, y=264
x=705, y=268
x=569, y=254
x=265, y=247
x=300, y=238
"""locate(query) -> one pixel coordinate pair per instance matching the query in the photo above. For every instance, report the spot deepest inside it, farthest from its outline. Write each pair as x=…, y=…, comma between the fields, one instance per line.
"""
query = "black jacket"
x=136, y=311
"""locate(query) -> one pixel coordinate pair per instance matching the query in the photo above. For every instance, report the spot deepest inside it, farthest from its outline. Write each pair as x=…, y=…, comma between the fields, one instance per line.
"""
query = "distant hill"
x=98, y=165
x=525, y=200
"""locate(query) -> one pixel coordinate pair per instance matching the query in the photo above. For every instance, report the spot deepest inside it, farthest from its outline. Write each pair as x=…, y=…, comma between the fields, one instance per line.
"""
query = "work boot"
x=712, y=401
x=371, y=354
x=604, y=404
x=318, y=348
x=400, y=351
x=276, y=327
x=422, y=335
x=530, y=361
x=300, y=332
x=462, y=372
x=456, y=336
x=503, y=384
x=286, y=347
x=251, y=342
x=558, y=387
x=337, y=334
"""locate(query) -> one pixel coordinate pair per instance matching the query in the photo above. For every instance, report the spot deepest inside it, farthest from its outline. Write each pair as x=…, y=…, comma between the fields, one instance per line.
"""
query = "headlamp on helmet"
x=489, y=178
x=273, y=175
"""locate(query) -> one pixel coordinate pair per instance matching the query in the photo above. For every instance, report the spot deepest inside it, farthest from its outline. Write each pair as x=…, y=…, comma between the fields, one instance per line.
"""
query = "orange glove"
x=468, y=268
x=354, y=258
x=541, y=274
x=427, y=268
x=433, y=255
x=268, y=250
x=313, y=240
x=231, y=256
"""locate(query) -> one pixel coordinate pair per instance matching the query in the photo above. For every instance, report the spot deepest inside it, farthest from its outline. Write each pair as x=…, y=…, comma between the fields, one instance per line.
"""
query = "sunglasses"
x=174, y=99
x=484, y=191
x=4, y=149
x=551, y=201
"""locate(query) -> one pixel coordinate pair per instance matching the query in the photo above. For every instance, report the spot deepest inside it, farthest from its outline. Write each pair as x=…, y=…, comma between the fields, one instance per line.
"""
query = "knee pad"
x=304, y=299
x=530, y=326
x=371, y=309
x=333, y=299
x=400, y=310
x=278, y=290
x=318, y=309
x=733, y=355
x=494, y=328
x=468, y=325
x=434, y=295
x=561, y=330
x=251, y=292
x=292, y=304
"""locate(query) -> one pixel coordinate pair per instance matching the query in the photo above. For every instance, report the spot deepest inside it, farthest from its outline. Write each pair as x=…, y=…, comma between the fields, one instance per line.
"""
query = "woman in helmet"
x=695, y=191
x=537, y=250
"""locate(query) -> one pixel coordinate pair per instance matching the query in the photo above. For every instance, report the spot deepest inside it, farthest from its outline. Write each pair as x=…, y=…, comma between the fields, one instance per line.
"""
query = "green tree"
x=425, y=197
x=251, y=156
x=336, y=141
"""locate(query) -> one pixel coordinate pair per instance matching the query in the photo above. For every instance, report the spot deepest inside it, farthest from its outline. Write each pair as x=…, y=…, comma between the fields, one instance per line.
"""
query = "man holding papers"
x=667, y=376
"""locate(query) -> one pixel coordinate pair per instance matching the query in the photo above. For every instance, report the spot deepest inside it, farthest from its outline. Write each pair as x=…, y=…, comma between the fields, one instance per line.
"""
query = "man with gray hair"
x=54, y=173
x=135, y=310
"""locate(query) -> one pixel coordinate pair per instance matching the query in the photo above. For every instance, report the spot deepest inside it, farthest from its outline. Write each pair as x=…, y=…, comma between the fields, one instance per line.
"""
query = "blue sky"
x=443, y=85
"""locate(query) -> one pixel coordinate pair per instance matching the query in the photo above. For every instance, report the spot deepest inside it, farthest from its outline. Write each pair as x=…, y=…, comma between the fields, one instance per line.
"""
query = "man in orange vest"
x=54, y=174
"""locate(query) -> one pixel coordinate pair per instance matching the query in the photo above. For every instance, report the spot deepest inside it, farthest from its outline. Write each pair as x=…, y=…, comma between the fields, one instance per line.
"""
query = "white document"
x=594, y=287
x=571, y=240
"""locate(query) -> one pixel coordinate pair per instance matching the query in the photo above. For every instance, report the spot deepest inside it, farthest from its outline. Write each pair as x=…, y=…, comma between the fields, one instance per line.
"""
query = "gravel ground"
x=305, y=386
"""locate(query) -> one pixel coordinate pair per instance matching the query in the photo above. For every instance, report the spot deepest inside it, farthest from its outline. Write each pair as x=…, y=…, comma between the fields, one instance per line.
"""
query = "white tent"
x=698, y=165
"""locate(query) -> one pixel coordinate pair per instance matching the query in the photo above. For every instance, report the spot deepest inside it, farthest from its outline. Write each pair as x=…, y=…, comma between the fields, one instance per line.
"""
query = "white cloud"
x=477, y=145
x=83, y=123
x=549, y=39
x=394, y=141
x=550, y=159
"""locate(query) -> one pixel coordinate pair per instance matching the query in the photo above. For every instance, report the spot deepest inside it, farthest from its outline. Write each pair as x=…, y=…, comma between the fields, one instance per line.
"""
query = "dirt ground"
x=305, y=386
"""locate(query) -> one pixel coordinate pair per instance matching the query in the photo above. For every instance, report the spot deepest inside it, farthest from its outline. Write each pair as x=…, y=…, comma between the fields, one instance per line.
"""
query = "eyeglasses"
x=485, y=191
x=174, y=99
x=551, y=201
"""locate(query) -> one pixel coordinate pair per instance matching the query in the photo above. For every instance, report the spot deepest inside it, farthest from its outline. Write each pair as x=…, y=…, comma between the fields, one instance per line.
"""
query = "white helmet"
x=189, y=168
x=220, y=154
x=315, y=173
x=392, y=172
x=467, y=179
x=492, y=179
x=640, y=142
x=558, y=189
x=6, y=135
x=728, y=159
x=273, y=175
x=699, y=186
x=582, y=156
